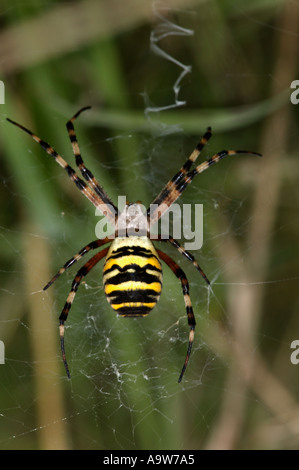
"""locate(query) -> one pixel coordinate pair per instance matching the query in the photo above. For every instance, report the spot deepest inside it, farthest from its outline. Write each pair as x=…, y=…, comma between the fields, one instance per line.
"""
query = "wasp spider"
x=132, y=273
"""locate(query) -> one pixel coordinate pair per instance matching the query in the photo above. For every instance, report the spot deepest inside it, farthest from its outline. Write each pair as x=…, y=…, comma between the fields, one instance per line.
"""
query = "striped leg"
x=188, y=255
x=205, y=165
x=95, y=199
x=89, y=177
x=67, y=306
x=174, y=188
x=77, y=257
x=190, y=315
x=171, y=185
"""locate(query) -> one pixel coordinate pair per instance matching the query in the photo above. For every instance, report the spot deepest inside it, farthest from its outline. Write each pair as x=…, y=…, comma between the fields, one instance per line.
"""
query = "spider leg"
x=89, y=177
x=77, y=257
x=70, y=298
x=95, y=199
x=187, y=254
x=171, y=185
x=205, y=165
x=174, y=188
x=189, y=310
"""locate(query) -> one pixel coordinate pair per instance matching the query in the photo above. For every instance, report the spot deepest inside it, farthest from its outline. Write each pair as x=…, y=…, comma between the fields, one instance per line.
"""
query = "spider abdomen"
x=132, y=276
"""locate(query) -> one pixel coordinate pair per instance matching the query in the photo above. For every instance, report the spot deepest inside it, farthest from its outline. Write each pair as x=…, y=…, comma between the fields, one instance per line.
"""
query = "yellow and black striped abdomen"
x=132, y=276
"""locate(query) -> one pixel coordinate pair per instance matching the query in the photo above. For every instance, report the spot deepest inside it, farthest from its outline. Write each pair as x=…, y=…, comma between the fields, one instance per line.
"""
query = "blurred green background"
x=240, y=389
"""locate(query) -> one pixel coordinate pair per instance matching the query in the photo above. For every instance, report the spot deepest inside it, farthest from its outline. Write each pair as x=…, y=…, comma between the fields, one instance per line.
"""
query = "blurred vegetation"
x=240, y=389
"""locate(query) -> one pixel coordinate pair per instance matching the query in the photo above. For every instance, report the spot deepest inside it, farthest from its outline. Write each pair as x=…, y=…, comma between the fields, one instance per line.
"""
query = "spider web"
x=111, y=382
x=107, y=376
x=124, y=392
